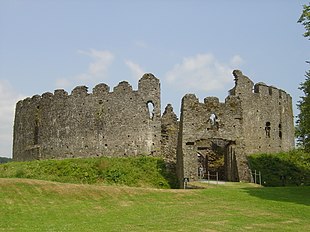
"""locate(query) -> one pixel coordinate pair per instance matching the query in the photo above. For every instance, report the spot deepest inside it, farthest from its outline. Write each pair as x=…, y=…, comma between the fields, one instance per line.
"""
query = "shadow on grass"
x=168, y=171
x=299, y=195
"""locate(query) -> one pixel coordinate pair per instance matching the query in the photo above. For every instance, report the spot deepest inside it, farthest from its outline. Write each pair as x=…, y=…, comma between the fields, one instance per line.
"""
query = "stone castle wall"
x=117, y=123
x=205, y=126
x=254, y=119
x=126, y=122
x=267, y=118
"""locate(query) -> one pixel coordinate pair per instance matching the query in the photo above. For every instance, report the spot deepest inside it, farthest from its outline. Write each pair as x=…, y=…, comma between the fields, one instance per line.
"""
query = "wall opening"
x=202, y=165
x=150, y=108
x=268, y=129
x=270, y=90
x=214, y=121
x=219, y=158
x=36, y=132
x=280, y=131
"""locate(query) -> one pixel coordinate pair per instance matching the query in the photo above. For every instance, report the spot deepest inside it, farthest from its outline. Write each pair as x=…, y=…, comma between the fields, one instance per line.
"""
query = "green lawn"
x=33, y=205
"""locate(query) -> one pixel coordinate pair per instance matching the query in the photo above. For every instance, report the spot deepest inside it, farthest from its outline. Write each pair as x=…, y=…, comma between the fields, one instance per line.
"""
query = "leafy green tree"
x=4, y=160
x=303, y=121
x=305, y=20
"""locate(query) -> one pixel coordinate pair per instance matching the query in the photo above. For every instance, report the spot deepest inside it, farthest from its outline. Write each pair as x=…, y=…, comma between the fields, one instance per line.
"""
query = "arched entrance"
x=217, y=156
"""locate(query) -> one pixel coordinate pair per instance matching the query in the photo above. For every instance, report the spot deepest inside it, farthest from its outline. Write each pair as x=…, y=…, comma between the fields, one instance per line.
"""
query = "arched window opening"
x=214, y=121
x=268, y=129
x=150, y=108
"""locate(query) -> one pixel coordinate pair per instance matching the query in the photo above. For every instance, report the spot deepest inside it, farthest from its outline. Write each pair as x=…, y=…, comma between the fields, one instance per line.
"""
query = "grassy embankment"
x=133, y=171
x=94, y=202
x=32, y=205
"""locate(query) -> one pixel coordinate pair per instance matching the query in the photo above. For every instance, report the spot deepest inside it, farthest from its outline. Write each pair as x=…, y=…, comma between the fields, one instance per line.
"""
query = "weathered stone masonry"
x=210, y=136
x=253, y=119
x=105, y=123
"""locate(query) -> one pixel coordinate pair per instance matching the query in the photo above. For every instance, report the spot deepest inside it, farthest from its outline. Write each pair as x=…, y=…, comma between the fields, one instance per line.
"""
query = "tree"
x=4, y=160
x=305, y=20
x=303, y=121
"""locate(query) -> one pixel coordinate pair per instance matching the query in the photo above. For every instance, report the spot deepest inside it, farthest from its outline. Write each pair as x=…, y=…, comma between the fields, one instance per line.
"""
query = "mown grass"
x=131, y=171
x=32, y=205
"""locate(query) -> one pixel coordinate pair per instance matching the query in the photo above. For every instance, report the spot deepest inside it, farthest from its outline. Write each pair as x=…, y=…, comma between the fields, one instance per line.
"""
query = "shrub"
x=282, y=169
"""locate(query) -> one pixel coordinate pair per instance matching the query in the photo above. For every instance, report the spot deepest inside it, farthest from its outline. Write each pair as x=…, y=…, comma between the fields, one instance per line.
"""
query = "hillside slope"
x=33, y=205
x=132, y=171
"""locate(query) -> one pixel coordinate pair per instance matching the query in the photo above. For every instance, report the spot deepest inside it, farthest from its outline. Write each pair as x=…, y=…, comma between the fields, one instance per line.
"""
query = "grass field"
x=34, y=205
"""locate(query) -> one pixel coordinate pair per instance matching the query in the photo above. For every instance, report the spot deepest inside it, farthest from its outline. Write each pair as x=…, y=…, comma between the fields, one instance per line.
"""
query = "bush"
x=282, y=169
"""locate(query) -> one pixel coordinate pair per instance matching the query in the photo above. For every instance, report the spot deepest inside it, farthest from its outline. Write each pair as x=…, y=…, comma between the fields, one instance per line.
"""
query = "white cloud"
x=135, y=68
x=97, y=69
x=202, y=72
x=102, y=60
x=236, y=61
x=8, y=99
x=140, y=44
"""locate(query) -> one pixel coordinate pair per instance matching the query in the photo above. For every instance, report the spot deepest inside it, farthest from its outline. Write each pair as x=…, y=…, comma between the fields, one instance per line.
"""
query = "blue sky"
x=191, y=46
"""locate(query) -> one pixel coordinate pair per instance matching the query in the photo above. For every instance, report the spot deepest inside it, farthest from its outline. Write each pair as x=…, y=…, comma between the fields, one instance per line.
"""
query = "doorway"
x=218, y=158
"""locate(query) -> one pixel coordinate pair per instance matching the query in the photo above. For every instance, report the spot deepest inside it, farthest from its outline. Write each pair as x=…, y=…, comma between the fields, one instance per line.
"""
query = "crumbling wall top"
x=123, y=86
x=80, y=91
x=60, y=93
x=148, y=82
x=169, y=113
x=243, y=84
x=101, y=89
x=211, y=101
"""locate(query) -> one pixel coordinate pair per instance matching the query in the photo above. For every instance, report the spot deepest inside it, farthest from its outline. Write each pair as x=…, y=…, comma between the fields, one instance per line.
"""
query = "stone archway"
x=217, y=156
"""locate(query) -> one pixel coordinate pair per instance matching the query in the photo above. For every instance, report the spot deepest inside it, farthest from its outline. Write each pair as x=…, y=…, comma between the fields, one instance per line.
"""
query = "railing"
x=209, y=176
x=256, y=177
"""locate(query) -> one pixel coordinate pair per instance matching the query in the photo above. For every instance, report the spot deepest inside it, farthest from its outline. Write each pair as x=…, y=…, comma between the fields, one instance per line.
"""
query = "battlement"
x=60, y=93
x=101, y=89
x=148, y=85
x=95, y=123
x=191, y=100
x=264, y=90
x=123, y=86
x=244, y=87
x=149, y=82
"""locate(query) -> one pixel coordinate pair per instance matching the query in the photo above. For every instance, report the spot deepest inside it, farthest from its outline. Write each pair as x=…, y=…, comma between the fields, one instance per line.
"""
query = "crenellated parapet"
x=264, y=90
x=83, y=123
x=245, y=88
x=149, y=87
x=101, y=89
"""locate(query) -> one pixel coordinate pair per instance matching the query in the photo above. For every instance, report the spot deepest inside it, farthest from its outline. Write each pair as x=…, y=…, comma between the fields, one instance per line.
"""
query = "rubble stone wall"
x=254, y=118
x=101, y=123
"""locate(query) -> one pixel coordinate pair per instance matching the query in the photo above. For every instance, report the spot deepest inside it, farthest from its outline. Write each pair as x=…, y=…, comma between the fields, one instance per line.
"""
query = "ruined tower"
x=120, y=123
x=218, y=136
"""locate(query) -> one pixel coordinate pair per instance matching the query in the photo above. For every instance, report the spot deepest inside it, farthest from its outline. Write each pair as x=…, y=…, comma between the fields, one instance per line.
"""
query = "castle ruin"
x=210, y=136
